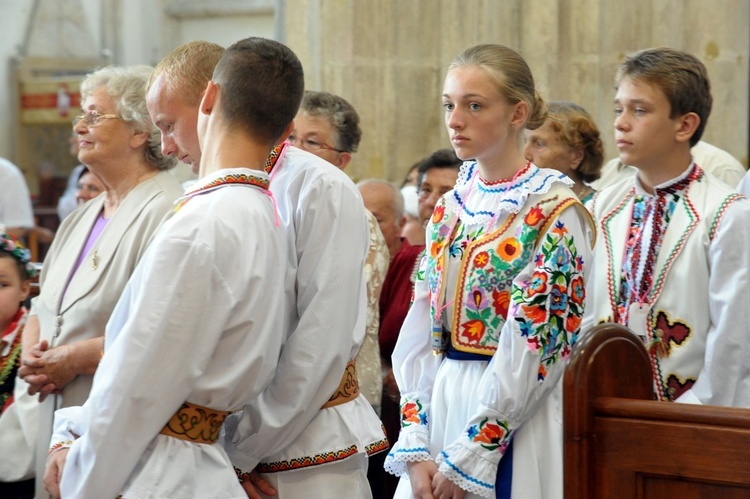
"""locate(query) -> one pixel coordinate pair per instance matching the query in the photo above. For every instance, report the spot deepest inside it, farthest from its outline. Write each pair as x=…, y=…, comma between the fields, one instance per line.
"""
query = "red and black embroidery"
x=675, y=387
x=667, y=334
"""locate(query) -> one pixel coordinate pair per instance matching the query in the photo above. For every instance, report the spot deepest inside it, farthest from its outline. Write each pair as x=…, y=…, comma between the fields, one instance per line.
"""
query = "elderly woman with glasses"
x=98, y=246
x=569, y=142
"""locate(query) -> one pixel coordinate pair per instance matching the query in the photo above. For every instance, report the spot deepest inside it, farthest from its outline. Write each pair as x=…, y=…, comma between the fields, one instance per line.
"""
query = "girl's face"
x=13, y=290
x=478, y=118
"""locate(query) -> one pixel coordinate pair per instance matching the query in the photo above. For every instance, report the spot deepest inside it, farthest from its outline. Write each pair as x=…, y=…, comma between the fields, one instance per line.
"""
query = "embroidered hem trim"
x=307, y=461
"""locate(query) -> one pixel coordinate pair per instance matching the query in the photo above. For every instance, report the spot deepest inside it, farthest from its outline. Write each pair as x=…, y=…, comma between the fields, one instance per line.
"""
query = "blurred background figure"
x=413, y=231
x=412, y=176
x=88, y=186
x=67, y=202
x=16, y=212
x=569, y=142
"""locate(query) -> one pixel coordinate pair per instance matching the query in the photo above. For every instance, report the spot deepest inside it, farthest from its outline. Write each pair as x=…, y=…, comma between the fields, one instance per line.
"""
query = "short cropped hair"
x=442, y=158
x=127, y=87
x=188, y=69
x=263, y=84
x=576, y=128
x=681, y=76
x=342, y=116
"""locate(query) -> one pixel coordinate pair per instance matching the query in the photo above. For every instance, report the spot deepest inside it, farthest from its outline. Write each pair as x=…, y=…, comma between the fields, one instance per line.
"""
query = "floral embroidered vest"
x=489, y=263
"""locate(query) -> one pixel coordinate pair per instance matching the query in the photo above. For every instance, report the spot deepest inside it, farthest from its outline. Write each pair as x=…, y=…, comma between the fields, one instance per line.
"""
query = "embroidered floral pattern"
x=487, y=288
x=491, y=436
x=413, y=413
x=552, y=299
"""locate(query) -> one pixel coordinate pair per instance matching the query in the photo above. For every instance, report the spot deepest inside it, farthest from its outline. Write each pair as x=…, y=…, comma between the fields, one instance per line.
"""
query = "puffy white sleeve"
x=543, y=323
x=415, y=367
x=725, y=376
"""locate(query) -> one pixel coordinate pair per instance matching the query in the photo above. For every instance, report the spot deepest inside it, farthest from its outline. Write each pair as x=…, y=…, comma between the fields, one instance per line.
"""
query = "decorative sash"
x=195, y=423
x=348, y=388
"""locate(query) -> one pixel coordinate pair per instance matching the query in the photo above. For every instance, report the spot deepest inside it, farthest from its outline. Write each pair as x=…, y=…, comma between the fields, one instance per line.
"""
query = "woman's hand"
x=32, y=370
x=48, y=370
x=445, y=489
x=420, y=476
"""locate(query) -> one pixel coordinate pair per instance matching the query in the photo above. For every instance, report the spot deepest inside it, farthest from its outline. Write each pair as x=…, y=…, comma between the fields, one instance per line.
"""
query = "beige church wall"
x=388, y=58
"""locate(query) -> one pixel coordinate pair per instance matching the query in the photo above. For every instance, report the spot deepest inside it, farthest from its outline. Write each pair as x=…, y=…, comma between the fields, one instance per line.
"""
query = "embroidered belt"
x=195, y=423
x=348, y=387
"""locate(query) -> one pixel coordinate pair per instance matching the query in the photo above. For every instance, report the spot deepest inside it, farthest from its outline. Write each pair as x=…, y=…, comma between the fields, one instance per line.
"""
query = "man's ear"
x=686, y=126
x=287, y=132
x=209, y=97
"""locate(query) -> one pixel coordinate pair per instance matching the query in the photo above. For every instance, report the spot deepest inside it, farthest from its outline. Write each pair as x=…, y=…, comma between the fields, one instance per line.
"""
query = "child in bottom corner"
x=16, y=463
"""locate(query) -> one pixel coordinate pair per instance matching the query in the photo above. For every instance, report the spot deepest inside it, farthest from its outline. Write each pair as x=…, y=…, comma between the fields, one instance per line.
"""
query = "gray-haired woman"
x=98, y=246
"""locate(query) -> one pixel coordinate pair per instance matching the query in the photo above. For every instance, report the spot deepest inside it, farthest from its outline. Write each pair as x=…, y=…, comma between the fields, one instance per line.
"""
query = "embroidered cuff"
x=471, y=462
x=467, y=470
x=412, y=446
x=414, y=412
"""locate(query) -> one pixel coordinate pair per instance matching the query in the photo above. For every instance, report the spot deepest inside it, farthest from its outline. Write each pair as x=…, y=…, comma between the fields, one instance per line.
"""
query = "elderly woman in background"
x=98, y=246
x=569, y=142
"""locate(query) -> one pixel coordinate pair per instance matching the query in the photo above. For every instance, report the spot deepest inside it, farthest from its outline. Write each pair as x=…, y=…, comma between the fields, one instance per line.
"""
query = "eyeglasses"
x=310, y=145
x=92, y=118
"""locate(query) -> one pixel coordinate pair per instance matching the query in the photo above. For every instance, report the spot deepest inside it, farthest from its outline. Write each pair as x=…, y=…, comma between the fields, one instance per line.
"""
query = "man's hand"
x=445, y=489
x=53, y=472
x=254, y=483
x=420, y=476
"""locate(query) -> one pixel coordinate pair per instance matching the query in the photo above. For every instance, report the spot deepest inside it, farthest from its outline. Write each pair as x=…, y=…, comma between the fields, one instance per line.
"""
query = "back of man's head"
x=262, y=84
x=187, y=69
x=337, y=110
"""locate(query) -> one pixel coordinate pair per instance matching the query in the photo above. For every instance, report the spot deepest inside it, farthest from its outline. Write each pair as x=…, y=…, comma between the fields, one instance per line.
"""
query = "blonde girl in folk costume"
x=498, y=302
